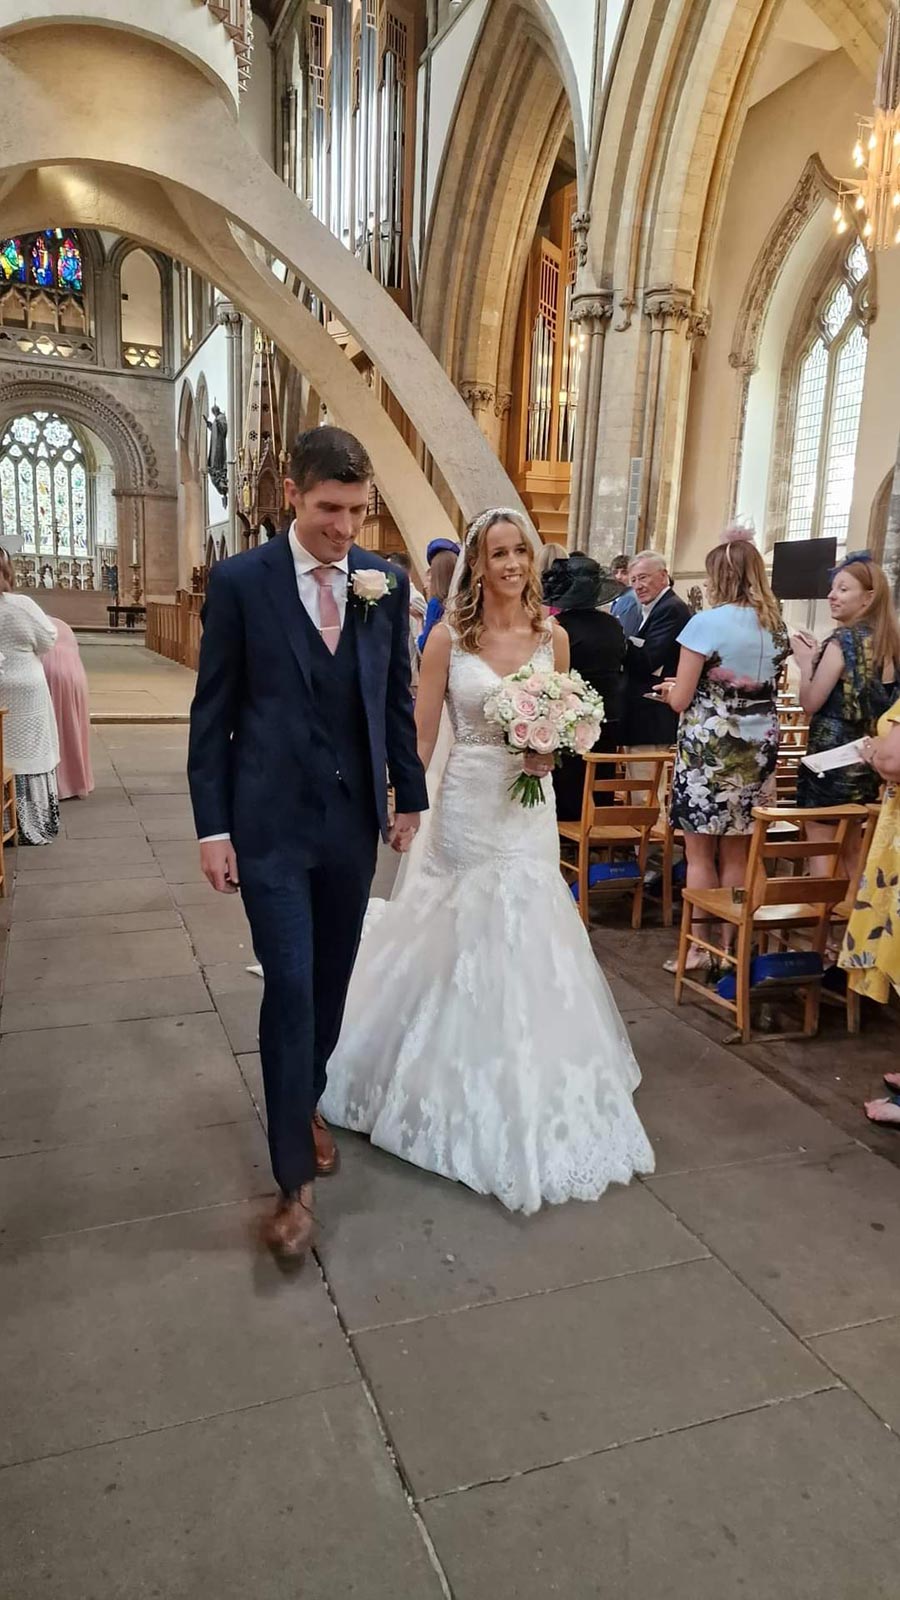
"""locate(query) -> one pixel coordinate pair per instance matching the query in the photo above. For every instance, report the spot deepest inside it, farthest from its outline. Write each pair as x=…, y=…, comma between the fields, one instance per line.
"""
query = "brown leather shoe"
x=290, y=1231
x=327, y=1154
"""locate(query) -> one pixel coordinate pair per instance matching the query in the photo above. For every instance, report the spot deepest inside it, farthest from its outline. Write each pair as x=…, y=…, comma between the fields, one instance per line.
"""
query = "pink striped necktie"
x=329, y=615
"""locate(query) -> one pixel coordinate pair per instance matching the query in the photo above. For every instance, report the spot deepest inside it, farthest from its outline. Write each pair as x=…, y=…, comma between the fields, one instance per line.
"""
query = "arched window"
x=43, y=487
x=828, y=399
x=49, y=260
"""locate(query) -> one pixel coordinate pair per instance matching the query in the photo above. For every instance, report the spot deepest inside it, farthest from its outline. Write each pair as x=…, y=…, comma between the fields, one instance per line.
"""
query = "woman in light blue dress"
x=728, y=734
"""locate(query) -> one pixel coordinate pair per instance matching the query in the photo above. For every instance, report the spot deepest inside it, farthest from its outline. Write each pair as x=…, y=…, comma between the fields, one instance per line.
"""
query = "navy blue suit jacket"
x=249, y=761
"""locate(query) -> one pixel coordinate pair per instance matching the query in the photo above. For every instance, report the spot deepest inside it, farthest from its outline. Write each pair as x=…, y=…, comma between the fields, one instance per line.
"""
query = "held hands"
x=538, y=766
x=218, y=863
x=804, y=646
x=403, y=830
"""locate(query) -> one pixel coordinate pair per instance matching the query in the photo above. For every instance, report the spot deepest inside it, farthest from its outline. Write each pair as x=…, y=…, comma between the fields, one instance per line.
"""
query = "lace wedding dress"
x=480, y=1039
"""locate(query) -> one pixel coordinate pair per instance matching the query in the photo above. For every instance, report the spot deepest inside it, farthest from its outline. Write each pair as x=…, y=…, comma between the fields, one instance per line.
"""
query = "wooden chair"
x=793, y=738
x=620, y=824
x=667, y=837
x=771, y=904
x=9, y=822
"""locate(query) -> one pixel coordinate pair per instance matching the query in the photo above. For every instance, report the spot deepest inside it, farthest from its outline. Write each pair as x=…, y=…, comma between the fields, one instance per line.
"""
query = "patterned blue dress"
x=728, y=736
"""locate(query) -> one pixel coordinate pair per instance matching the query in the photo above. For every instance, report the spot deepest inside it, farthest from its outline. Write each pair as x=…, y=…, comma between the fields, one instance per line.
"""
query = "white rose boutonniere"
x=369, y=586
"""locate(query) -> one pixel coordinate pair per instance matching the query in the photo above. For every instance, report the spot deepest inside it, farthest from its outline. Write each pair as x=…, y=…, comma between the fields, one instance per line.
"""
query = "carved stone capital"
x=503, y=403
x=698, y=324
x=596, y=309
x=478, y=396
x=670, y=310
x=228, y=316
x=581, y=227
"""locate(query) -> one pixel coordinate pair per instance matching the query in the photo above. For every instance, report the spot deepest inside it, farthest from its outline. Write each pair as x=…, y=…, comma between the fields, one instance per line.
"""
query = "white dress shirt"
x=308, y=590
x=307, y=586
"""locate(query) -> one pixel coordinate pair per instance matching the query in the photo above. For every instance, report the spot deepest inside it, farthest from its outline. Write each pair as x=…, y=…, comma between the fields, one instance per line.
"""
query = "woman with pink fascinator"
x=728, y=733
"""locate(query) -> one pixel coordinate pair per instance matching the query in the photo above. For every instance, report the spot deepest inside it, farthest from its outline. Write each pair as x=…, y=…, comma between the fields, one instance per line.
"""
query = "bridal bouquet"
x=543, y=714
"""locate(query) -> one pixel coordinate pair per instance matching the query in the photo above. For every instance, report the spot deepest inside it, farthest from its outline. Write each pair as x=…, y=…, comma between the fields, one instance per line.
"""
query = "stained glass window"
x=50, y=260
x=829, y=397
x=12, y=261
x=44, y=497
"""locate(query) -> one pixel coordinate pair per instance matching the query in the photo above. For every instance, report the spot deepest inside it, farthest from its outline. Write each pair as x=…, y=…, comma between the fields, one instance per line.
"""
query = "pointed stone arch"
x=508, y=128
x=196, y=185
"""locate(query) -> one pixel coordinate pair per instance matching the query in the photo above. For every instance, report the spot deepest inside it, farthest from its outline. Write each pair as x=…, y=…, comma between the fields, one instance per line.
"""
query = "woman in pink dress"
x=68, y=685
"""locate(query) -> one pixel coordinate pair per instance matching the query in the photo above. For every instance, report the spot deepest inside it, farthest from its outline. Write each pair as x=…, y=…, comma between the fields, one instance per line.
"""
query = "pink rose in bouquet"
x=545, y=713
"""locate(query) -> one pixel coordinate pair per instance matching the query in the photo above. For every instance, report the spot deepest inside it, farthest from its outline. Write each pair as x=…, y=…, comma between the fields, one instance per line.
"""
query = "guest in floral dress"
x=728, y=733
x=871, y=953
x=847, y=683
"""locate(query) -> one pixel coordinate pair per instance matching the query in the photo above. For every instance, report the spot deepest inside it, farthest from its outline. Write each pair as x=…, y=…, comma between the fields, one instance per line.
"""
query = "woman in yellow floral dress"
x=871, y=953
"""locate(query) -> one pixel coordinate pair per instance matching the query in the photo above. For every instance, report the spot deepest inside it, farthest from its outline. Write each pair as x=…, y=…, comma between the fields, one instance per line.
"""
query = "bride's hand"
x=538, y=766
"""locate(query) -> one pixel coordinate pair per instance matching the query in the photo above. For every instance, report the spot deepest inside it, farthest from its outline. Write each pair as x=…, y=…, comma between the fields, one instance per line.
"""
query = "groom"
x=302, y=709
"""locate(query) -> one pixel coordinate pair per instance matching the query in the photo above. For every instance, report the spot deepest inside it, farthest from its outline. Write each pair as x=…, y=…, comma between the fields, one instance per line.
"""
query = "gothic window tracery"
x=828, y=393
x=44, y=497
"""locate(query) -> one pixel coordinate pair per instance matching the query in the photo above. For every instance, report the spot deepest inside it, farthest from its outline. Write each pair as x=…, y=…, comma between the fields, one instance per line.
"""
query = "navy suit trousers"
x=306, y=923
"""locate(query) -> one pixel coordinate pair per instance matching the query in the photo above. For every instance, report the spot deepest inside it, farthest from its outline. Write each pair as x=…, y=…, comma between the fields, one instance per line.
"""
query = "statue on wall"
x=217, y=456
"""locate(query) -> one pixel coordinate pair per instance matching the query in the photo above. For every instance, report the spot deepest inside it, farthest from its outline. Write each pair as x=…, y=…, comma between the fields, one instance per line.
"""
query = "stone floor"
x=129, y=682
x=689, y=1391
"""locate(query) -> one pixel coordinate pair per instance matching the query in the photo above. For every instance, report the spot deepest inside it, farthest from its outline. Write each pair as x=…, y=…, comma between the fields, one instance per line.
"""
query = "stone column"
x=228, y=316
x=487, y=407
x=590, y=315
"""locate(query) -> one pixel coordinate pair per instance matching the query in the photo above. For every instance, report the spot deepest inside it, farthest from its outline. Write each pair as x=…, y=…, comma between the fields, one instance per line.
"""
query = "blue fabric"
x=782, y=966
x=433, y=615
x=746, y=653
x=609, y=872
x=440, y=544
x=627, y=610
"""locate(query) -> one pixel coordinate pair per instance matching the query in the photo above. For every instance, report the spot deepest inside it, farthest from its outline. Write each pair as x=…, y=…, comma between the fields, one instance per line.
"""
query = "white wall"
x=576, y=20
x=142, y=310
x=211, y=362
x=447, y=65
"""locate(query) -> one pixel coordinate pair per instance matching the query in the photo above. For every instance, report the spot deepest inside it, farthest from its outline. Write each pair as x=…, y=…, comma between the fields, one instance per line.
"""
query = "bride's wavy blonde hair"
x=465, y=608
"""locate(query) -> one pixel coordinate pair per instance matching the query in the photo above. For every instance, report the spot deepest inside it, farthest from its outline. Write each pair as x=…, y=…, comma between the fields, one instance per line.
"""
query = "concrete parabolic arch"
x=184, y=179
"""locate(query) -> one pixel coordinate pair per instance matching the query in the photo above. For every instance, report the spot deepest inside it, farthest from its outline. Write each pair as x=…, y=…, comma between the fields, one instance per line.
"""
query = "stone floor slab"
x=171, y=829
x=719, y=1124
x=671, y=1052
x=41, y=971
x=146, y=892
x=145, y=783
x=810, y=1236
x=398, y=1242
x=96, y=870
x=866, y=1359
x=124, y=826
x=250, y=1068
x=113, y=923
x=180, y=862
x=74, y=1085
x=792, y=1502
x=106, y=1002
x=283, y=1501
x=508, y=1387
x=148, y=1324
x=124, y=1180
x=64, y=853
x=240, y=1019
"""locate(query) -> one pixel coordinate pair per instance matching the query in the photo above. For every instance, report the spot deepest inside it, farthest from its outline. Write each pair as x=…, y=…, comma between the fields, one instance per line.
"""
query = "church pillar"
x=590, y=315
x=890, y=559
x=488, y=408
x=644, y=387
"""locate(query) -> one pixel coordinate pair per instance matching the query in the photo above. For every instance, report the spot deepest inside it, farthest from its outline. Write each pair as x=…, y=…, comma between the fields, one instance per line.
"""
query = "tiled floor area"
x=687, y=1392
x=128, y=681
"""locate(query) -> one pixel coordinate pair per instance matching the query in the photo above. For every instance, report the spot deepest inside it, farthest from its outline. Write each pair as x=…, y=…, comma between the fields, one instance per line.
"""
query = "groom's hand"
x=218, y=863
x=404, y=828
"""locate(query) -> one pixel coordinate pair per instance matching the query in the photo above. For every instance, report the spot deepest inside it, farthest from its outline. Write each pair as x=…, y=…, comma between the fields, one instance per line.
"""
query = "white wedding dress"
x=480, y=1039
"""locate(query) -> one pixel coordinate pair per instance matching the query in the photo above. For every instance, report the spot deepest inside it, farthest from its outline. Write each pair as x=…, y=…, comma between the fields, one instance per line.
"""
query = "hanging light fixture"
x=875, y=193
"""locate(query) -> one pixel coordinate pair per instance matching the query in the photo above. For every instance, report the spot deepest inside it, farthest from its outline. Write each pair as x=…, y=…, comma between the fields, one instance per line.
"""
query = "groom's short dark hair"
x=324, y=454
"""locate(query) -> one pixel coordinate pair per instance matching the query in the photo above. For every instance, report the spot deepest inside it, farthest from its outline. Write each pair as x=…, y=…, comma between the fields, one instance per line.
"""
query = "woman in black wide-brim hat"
x=576, y=588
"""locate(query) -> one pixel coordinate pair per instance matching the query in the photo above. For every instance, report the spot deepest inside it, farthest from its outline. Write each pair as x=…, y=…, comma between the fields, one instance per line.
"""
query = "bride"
x=481, y=1040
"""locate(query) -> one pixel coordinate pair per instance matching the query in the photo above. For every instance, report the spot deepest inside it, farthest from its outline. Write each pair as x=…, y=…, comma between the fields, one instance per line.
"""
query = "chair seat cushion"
x=780, y=967
x=610, y=872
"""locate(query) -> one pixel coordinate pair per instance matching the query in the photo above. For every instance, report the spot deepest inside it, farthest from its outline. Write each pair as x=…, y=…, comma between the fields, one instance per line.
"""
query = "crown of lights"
x=872, y=201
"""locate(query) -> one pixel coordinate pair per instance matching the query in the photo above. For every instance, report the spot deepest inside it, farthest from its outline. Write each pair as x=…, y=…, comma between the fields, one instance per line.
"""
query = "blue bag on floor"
x=782, y=966
x=609, y=872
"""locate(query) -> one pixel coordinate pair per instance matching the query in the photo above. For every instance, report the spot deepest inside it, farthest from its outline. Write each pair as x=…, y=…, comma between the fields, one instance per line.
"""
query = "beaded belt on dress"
x=480, y=738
